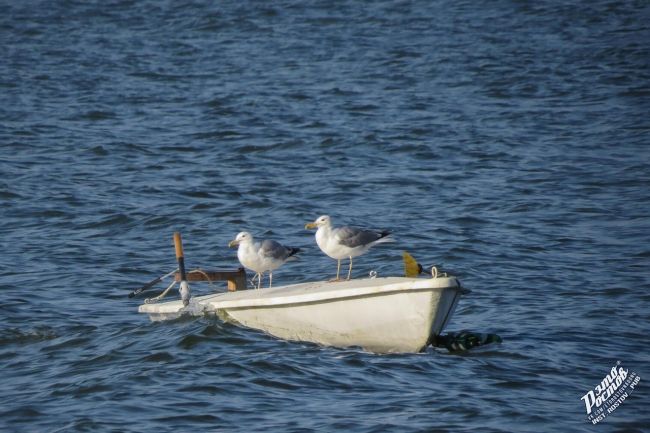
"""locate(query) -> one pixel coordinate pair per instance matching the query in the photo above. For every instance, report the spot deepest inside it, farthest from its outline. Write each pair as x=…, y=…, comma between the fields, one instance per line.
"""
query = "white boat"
x=381, y=315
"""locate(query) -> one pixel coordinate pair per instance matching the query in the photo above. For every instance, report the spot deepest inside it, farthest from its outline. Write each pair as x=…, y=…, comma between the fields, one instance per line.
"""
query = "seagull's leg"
x=259, y=280
x=338, y=270
x=350, y=269
x=270, y=279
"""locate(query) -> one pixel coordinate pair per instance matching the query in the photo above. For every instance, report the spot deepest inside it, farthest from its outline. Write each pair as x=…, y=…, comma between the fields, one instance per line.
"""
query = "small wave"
x=156, y=76
x=199, y=194
x=268, y=383
x=615, y=291
x=26, y=336
x=9, y=195
x=95, y=115
x=210, y=420
x=111, y=220
x=204, y=389
x=99, y=151
x=192, y=340
x=159, y=357
x=24, y=412
x=220, y=134
x=468, y=221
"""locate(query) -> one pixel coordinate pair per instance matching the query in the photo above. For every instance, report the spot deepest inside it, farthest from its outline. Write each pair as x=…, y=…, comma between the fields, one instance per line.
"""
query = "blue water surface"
x=506, y=142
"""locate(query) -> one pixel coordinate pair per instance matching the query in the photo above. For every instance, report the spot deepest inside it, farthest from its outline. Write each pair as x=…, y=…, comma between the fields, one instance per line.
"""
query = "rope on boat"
x=163, y=277
x=152, y=283
x=202, y=272
x=162, y=295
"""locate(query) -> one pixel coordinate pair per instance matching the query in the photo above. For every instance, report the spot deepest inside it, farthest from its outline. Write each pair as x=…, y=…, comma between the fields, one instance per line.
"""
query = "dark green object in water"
x=464, y=340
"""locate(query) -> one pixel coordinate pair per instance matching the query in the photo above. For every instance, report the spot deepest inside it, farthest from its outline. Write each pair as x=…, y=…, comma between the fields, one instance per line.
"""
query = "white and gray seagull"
x=262, y=256
x=345, y=242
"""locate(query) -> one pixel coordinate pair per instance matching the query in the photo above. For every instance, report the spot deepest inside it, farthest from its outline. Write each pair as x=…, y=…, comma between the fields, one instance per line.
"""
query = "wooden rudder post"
x=185, y=288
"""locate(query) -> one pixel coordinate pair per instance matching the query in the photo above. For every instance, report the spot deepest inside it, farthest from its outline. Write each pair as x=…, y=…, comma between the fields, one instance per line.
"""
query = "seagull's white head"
x=321, y=221
x=242, y=237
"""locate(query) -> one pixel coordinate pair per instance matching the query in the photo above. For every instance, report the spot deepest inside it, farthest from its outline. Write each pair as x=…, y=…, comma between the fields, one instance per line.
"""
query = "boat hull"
x=379, y=315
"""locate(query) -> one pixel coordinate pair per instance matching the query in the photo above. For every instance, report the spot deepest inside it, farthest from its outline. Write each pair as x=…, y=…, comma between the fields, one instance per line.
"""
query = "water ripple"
x=506, y=143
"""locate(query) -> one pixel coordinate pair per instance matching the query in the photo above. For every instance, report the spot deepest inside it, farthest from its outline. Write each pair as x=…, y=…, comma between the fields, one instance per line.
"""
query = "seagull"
x=342, y=242
x=262, y=256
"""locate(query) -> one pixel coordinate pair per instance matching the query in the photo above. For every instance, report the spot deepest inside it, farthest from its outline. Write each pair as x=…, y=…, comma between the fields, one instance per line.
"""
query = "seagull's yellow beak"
x=233, y=243
x=311, y=225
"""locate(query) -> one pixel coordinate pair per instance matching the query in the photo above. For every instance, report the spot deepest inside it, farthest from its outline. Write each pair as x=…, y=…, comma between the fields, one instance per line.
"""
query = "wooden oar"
x=151, y=283
x=185, y=288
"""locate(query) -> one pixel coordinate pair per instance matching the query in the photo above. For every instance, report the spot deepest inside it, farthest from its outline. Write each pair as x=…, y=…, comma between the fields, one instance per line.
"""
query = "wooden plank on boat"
x=236, y=279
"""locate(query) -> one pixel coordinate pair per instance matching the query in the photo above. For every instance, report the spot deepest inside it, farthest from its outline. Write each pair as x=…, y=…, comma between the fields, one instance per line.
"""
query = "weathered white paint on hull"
x=395, y=322
x=380, y=315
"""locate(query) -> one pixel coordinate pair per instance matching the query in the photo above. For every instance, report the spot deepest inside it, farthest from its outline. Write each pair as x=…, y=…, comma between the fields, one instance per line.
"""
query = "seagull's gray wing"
x=276, y=250
x=356, y=237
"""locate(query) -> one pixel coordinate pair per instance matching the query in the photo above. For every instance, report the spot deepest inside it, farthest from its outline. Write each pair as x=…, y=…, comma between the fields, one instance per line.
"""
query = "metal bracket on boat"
x=372, y=274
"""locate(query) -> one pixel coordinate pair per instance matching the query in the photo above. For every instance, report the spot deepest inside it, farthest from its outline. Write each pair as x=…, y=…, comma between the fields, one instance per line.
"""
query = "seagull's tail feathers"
x=293, y=251
x=384, y=236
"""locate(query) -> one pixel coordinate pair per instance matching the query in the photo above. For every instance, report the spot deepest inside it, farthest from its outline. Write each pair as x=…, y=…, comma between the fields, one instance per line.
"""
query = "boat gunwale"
x=338, y=299
x=263, y=300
